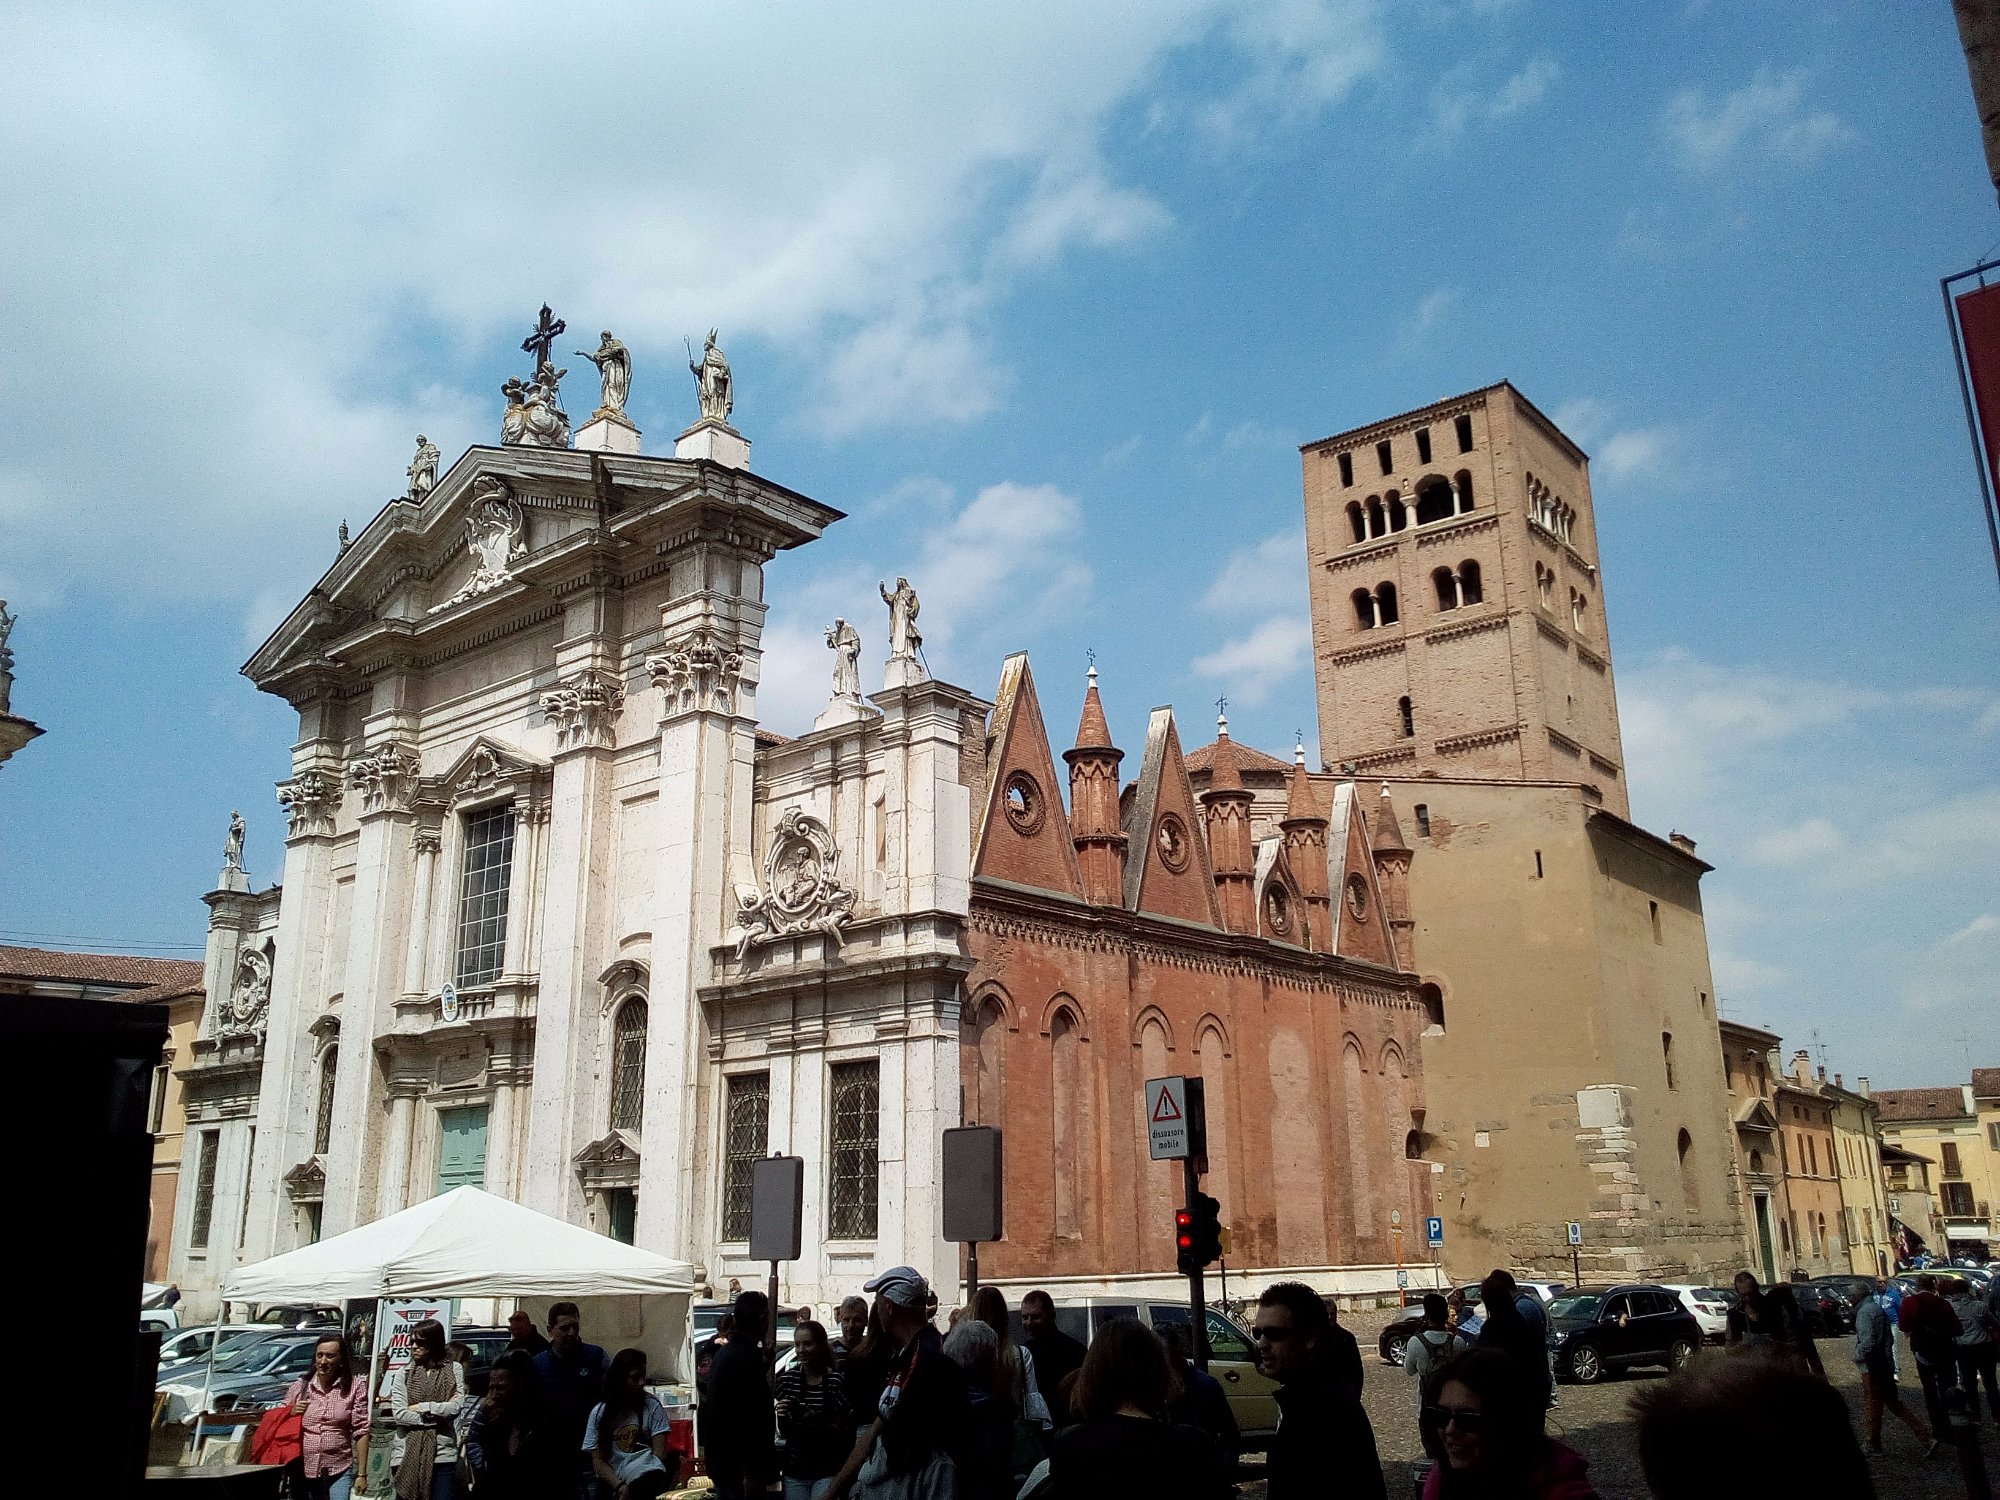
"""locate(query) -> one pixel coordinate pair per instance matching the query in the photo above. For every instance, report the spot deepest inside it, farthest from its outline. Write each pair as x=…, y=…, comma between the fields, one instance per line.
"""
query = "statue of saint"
x=423, y=470
x=6, y=629
x=614, y=369
x=903, y=635
x=232, y=848
x=846, y=643
x=712, y=382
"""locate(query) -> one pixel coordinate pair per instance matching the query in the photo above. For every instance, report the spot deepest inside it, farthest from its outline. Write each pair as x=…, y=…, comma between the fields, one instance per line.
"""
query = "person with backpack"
x=1435, y=1343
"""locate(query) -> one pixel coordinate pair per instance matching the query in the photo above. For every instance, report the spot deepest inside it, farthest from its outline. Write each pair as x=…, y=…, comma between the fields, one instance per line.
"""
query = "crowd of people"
x=892, y=1406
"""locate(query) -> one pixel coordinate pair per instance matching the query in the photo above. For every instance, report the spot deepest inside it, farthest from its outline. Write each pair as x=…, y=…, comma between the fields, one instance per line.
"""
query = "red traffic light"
x=1183, y=1229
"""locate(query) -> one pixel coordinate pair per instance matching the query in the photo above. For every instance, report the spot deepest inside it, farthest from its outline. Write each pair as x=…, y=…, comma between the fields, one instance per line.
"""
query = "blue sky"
x=1046, y=297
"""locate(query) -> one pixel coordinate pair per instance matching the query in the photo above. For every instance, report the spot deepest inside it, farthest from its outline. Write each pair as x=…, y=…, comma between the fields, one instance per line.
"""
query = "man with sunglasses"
x=1324, y=1444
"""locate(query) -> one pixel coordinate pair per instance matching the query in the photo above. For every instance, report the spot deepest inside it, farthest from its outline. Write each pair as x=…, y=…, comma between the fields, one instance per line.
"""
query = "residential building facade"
x=1957, y=1129
x=1750, y=1074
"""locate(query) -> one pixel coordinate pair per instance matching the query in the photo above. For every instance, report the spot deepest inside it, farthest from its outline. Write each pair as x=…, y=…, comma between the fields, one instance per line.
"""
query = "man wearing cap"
x=921, y=1418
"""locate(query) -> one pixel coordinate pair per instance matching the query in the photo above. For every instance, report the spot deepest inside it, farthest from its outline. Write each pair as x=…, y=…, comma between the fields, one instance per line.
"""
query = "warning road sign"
x=1166, y=1118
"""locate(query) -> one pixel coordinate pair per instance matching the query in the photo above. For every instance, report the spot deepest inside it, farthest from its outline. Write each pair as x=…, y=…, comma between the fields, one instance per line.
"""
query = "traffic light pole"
x=1197, y=1297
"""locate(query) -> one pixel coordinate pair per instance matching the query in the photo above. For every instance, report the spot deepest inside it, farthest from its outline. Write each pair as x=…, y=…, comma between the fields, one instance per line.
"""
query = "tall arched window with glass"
x=323, y=1119
x=628, y=1065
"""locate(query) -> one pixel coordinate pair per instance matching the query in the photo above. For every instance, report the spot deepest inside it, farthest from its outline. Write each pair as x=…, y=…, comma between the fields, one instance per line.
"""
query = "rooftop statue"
x=845, y=641
x=423, y=470
x=904, y=638
x=614, y=370
x=712, y=382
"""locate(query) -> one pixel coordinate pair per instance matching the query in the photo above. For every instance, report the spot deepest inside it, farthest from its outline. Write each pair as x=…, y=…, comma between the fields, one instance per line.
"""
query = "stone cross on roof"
x=543, y=339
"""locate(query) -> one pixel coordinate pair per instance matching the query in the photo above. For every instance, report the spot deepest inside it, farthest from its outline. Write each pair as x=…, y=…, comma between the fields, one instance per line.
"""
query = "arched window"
x=1364, y=609
x=1690, y=1178
x=1355, y=1087
x=1409, y=713
x=628, y=1065
x=992, y=1048
x=1413, y=1146
x=1399, y=513
x=1461, y=484
x=1435, y=502
x=1067, y=1081
x=323, y=1118
x=1667, y=1050
x=1757, y=1163
x=1545, y=586
x=1579, y=609
x=1470, y=590
x=1446, y=586
x=1376, y=520
x=1385, y=605
x=1358, y=519
x=1433, y=999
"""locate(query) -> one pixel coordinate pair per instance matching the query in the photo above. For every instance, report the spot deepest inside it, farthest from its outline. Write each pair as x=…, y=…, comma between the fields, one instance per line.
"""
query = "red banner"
x=1979, y=330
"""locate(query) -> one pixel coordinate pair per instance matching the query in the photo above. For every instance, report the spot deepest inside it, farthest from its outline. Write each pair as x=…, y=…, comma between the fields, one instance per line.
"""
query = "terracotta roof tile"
x=1920, y=1104
x=1986, y=1083
x=97, y=968
x=1247, y=759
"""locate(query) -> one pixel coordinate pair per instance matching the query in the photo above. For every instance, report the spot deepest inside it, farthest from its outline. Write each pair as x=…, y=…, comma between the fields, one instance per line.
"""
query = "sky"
x=1046, y=297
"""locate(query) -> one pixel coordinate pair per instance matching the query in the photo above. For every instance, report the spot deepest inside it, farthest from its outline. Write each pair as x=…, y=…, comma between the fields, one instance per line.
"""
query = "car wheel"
x=1679, y=1353
x=1393, y=1346
x=1586, y=1365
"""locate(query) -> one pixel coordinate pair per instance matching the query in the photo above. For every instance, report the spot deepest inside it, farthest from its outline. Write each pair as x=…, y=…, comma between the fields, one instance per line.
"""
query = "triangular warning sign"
x=1166, y=1109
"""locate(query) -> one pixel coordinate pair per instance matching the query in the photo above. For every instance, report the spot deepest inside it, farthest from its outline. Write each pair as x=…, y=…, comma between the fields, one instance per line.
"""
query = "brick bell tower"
x=1458, y=610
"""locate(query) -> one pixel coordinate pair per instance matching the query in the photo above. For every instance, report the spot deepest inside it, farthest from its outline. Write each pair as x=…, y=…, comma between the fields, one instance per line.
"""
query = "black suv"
x=1595, y=1330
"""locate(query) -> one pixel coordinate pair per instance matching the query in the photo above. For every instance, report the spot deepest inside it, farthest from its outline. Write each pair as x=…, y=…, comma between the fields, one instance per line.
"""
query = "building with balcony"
x=1957, y=1127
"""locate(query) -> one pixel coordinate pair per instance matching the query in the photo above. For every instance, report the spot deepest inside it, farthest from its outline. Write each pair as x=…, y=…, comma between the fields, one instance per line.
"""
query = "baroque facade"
x=559, y=919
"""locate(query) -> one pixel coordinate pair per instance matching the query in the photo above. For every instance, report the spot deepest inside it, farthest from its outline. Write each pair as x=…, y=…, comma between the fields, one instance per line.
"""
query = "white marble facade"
x=563, y=647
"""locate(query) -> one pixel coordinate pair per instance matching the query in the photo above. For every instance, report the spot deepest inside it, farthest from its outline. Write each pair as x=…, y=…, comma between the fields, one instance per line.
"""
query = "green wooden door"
x=462, y=1147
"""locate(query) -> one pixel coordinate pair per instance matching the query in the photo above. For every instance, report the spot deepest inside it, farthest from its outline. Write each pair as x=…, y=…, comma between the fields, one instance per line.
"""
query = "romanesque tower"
x=1458, y=610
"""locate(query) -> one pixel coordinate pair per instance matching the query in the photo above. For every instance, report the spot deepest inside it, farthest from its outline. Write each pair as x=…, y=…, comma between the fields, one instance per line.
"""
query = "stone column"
x=395, y=1190
x=425, y=841
x=705, y=676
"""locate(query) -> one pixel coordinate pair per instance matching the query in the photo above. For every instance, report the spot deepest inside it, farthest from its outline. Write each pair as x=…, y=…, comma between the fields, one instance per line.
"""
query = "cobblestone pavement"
x=1594, y=1421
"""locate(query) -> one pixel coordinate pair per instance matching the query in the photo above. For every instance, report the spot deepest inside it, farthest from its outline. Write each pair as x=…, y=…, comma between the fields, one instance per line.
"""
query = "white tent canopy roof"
x=464, y=1243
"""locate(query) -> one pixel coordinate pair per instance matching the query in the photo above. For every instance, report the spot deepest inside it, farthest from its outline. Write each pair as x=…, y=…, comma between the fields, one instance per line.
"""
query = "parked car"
x=1231, y=1360
x=1389, y=1344
x=254, y=1373
x=487, y=1345
x=190, y=1345
x=1709, y=1304
x=1852, y=1289
x=1825, y=1308
x=1596, y=1330
x=298, y=1315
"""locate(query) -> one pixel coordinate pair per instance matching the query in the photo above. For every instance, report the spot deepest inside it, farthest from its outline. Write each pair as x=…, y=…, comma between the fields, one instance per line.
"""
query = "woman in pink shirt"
x=334, y=1409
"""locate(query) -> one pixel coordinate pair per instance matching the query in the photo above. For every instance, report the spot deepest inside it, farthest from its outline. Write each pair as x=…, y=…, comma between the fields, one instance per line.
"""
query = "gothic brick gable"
x=1023, y=834
x=1360, y=916
x=1168, y=871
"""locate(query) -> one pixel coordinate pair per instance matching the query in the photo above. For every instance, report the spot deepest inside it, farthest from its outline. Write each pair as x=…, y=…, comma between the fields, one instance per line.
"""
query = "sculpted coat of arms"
x=801, y=891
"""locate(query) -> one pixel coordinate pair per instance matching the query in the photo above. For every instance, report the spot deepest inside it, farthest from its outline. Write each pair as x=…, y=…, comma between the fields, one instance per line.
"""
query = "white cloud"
x=1252, y=666
x=1814, y=839
x=1461, y=96
x=1429, y=313
x=1268, y=575
x=1769, y=118
x=1737, y=976
x=1616, y=452
x=1979, y=926
x=242, y=246
x=1525, y=88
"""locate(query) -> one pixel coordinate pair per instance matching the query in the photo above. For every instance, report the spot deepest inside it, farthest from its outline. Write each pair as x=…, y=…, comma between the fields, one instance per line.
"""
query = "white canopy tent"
x=464, y=1243
x=469, y=1243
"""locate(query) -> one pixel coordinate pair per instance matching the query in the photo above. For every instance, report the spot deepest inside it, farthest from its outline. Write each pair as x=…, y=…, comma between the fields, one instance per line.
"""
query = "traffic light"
x=1207, y=1227
x=1197, y=1234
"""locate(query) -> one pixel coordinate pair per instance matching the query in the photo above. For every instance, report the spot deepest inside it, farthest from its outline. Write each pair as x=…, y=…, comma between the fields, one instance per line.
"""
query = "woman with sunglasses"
x=1488, y=1424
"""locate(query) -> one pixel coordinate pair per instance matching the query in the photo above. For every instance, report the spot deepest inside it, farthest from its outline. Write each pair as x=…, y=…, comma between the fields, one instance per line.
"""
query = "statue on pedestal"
x=713, y=383
x=232, y=847
x=423, y=470
x=846, y=643
x=904, y=638
x=6, y=659
x=614, y=369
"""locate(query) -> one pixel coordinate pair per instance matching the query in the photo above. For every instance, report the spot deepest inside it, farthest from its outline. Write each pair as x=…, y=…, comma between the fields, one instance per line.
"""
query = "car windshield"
x=1581, y=1308
x=1720, y=1294
x=249, y=1354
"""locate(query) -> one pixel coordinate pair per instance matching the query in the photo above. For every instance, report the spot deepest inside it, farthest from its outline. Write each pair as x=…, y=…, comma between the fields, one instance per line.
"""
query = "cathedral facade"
x=559, y=920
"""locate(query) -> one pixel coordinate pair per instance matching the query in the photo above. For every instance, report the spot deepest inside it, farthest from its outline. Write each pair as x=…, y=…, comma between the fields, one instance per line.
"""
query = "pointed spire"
x=1300, y=803
x=1092, y=732
x=1224, y=775
x=1388, y=832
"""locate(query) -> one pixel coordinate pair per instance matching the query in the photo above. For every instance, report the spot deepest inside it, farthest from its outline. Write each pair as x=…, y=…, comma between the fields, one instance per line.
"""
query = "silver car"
x=255, y=1373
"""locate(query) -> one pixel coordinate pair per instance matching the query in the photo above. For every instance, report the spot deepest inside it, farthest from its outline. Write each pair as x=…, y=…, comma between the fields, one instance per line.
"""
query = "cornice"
x=1494, y=621
x=1361, y=553
x=1499, y=734
x=1433, y=532
x=1362, y=653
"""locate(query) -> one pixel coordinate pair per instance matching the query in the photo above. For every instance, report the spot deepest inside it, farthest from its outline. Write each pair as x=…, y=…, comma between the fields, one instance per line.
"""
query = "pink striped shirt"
x=333, y=1423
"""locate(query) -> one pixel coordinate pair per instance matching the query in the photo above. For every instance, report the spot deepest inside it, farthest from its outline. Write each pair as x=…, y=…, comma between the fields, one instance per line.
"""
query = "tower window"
x=1446, y=586
x=1364, y=609
x=1423, y=811
x=1545, y=585
x=1461, y=484
x=1409, y=717
x=1358, y=519
x=1464, y=426
x=1654, y=909
x=1347, y=469
x=1385, y=605
x=1399, y=513
x=1667, y=1054
x=1538, y=864
x=1423, y=445
x=1435, y=502
x=1377, y=517
x=1469, y=590
x=1579, y=608
x=1385, y=458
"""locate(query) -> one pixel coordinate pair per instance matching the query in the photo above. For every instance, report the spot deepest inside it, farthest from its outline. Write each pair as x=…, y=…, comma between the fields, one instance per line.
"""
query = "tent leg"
x=208, y=1375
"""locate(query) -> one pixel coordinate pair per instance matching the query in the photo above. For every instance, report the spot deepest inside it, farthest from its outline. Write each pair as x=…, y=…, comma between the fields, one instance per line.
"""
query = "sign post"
x=1434, y=1237
x=972, y=1197
x=1176, y=1129
x=1575, y=1253
x=777, y=1224
x=1402, y=1276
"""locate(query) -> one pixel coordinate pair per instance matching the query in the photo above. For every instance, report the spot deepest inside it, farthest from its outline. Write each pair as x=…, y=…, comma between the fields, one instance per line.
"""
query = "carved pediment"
x=490, y=767
x=609, y=1162
x=1756, y=1115
x=307, y=1181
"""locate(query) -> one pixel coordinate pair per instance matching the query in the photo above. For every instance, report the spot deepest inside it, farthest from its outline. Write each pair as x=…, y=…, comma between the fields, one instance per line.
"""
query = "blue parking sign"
x=1434, y=1231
